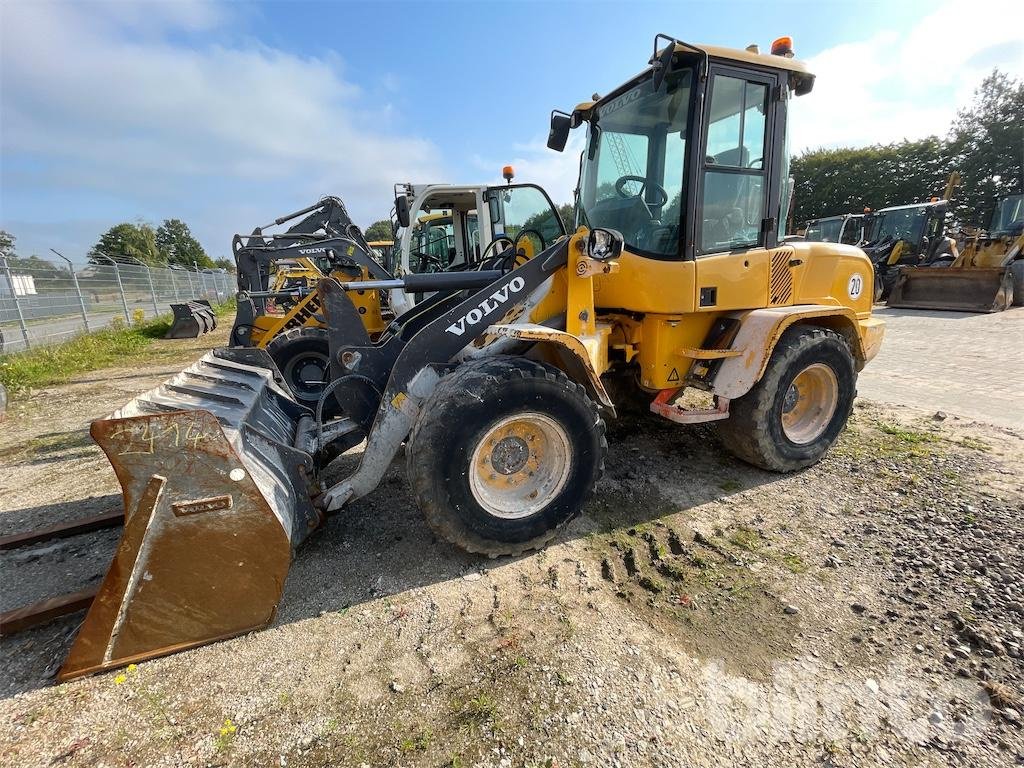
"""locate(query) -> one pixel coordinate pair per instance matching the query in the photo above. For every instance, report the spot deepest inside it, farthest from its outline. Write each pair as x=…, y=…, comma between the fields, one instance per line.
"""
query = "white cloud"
x=898, y=84
x=108, y=100
x=534, y=163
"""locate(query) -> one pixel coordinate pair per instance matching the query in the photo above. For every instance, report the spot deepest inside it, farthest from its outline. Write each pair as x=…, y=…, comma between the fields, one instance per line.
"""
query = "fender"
x=576, y=357
x=761, y=329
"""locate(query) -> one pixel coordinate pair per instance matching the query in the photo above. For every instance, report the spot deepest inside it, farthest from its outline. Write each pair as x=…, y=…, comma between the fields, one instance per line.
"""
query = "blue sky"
x=228, y=114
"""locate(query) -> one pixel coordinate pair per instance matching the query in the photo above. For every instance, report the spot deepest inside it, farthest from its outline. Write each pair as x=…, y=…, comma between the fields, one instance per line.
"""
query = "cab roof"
x=801, y=79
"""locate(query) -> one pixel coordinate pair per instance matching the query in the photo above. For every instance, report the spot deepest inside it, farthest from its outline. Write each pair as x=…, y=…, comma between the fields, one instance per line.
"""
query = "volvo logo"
x=486, y=307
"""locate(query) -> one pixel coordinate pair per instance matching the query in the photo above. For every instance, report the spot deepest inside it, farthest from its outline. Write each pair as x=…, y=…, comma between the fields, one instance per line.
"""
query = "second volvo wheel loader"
x=676, y=279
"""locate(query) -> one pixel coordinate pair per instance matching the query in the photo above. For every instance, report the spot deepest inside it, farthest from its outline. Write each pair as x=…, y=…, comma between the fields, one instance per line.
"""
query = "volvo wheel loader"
x=675, y=280
x=448, y=235
x=986, y=276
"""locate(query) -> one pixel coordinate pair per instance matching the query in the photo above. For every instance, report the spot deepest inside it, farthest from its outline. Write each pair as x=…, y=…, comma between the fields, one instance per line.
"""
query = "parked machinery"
x=986, y=276
x=676, y=280
x=846, y=228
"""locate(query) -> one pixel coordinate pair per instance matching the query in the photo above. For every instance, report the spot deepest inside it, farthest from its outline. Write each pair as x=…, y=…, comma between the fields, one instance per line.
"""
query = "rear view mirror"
x=402, y=210
x=663, y=65
x=604, y=244
x=559, y=131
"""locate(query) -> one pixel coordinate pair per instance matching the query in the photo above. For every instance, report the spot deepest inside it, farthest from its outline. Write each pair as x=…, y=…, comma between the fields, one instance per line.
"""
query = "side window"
x=528, y=208
x=735, y=176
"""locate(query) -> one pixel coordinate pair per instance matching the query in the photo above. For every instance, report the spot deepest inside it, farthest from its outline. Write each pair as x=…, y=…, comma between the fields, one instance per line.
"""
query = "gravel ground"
x=867, y=611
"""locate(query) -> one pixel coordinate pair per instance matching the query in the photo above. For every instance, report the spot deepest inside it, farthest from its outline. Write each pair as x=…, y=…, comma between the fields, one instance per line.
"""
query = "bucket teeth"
x=216, y=498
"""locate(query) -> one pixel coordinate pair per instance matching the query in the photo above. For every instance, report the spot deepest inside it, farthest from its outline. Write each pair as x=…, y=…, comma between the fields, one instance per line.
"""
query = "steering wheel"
x=497, y=239
x=621, y=182
x=426, y=260
x=524, y=254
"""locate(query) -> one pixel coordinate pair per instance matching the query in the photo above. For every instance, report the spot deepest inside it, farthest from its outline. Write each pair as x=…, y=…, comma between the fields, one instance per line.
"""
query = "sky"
x=230, y=114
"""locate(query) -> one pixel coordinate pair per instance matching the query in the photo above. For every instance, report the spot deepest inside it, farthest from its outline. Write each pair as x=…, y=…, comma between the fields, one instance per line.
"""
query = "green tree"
x=225, y=263
x=6, y=243
x=127, y=242
x=847, y=180
x=567, y=213
x=987, y=146
x=178, y=246
x=379, y=230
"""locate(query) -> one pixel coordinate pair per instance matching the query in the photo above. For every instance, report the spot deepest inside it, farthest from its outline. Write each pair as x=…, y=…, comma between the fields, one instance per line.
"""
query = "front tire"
x=800, y=405
x=303, y=357
x=504, y=454
x=1017, y=274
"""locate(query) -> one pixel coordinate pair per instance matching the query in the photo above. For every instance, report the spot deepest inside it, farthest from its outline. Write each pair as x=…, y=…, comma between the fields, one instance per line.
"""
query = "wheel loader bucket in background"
x=960, y=289
x=191, y=319
x=216, y=498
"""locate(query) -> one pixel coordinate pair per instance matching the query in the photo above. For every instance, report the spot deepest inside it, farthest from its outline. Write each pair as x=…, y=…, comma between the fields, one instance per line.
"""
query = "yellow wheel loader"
x=675, y=280
x=986, y=276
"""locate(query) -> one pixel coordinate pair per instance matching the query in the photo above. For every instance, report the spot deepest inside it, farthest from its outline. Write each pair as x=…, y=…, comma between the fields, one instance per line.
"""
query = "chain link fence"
x=44, y=302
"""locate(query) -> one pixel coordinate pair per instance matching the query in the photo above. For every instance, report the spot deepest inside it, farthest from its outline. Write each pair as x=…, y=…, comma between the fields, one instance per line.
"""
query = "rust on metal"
x=35, y=614
x=664, y=405
x=62, y=530
x=197, y=507
x=180, y=580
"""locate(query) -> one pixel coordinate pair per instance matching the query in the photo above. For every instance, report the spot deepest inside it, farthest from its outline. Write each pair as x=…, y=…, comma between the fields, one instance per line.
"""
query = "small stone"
x=792, y=610
x=474, y=576
x=858, y=607
x=935, y=718
x=919, y=648
x=1011, y=715
x=397, y=687
x=939, y=416
x=871, y=685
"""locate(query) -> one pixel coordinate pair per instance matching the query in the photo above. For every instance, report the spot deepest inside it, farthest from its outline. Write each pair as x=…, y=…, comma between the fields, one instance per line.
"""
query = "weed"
x=745, y=538
x=730, y=485
x=225, y=736
x=793, y=562
x=911, y=436
x=418, y=742
x=975, y=444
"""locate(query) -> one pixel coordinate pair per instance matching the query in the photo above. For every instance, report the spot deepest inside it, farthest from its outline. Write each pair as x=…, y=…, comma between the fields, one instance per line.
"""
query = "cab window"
x=524, y=209
x=735, y=177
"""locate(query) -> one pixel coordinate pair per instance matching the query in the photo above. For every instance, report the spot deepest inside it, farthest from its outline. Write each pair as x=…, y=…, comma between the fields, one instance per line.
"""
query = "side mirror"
x=402, y=210
x=558, y=134
x=604, y=244
x=663, y=65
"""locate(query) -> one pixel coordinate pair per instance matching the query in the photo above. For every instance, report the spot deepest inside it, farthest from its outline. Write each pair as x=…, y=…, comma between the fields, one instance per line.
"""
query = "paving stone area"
x=970, y=365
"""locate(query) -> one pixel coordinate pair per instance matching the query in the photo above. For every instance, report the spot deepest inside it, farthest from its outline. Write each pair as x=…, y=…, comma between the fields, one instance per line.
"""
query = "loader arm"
x=414, y=372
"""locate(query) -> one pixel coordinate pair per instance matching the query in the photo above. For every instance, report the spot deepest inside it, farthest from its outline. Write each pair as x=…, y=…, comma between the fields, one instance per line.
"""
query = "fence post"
x=120, y=287
x=152, y=292
x=78, y=290
x=174, y=285
x=191, y=290
x=17, y=304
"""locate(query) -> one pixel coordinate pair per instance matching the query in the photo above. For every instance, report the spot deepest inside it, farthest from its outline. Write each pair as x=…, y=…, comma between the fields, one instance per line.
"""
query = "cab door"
x=737, y=195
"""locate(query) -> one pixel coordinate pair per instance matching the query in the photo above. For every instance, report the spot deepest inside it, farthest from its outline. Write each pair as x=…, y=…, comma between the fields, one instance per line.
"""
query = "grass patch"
x=58, y=363
x=911, y=436
x=744, y=538
x=793, y=562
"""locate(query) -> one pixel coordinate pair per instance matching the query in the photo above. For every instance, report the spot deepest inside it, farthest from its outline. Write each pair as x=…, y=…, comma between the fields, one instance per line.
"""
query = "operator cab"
x=702, y=130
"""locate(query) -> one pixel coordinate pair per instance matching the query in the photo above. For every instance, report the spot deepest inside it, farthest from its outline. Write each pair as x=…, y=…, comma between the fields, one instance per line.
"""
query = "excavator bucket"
x=962, y=289
x=216, y=473
x=191, y=319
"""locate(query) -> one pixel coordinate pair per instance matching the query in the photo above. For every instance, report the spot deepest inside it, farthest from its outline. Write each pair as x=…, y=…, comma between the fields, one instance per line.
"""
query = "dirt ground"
x=866, y=611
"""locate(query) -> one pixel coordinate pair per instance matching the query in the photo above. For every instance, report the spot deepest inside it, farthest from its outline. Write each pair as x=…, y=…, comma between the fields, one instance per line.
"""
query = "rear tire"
x=303, y=357
x=504, y=454
x=800, y=405
x=1017, y=273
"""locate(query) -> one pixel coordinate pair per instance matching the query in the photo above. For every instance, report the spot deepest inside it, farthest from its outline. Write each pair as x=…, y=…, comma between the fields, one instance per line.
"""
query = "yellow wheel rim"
x=810, y=403
x=520, y=465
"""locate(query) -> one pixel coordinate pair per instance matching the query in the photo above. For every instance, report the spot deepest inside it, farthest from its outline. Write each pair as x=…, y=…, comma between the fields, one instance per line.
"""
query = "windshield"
x=824, y=231
x=1008, y=216
x=897, y=224
x=633, y=170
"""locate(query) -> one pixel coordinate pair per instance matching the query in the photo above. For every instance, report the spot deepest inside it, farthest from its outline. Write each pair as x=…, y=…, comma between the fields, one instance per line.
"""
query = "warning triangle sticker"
x=674, y=376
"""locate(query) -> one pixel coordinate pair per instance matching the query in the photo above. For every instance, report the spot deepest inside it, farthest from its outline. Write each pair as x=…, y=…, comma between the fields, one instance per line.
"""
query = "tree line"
x=171, y=243
x=985, y=145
